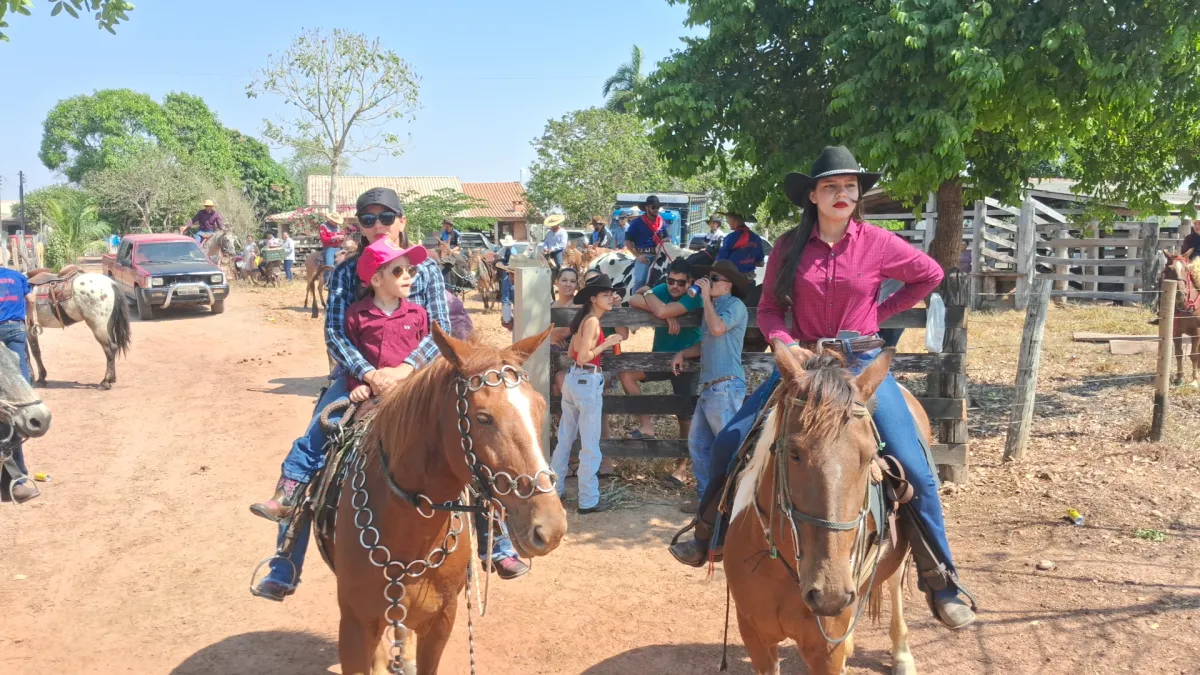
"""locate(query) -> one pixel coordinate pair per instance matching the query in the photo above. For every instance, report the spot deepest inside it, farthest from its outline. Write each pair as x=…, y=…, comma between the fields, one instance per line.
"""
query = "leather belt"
x=588, y=367
x=858, y=345
x=717, y=381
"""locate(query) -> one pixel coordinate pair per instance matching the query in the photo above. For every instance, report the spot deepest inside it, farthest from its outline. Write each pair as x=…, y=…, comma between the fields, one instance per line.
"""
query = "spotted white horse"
x=618, y=265
x=91, y=298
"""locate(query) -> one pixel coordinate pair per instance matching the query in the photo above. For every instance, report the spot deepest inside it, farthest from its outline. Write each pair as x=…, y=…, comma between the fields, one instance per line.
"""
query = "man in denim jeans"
x=722, y=378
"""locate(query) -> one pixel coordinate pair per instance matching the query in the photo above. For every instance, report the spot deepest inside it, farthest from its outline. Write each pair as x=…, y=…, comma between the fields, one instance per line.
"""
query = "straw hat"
x=335, y=217
x=554, y=220
x=209, y=202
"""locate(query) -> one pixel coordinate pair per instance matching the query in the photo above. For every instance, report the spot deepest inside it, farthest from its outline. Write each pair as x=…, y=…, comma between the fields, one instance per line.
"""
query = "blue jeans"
x=287, y=268
x=506, y=297
x=330, y=253
x=897, y=430
x=715, y=408
x=641, y=272
x=13, y=335
x=557, y=258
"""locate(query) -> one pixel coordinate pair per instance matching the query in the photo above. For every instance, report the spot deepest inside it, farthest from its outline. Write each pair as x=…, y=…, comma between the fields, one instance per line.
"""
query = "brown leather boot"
x=24, y=490
x=695, y=551
x=287, y=495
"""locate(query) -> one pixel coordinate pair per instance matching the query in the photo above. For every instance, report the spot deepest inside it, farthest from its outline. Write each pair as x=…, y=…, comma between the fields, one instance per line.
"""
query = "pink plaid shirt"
x=837, y=287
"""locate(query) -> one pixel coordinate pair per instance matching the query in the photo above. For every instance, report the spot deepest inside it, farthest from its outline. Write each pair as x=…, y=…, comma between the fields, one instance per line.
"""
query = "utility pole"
x=21, y=196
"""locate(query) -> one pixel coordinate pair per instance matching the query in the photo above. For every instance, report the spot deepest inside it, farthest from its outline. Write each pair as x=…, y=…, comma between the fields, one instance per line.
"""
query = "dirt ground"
x=137, y=558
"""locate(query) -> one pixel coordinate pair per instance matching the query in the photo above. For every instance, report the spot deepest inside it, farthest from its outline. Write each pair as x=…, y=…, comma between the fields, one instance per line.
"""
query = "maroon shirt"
x=836, y=287
x=385, y=341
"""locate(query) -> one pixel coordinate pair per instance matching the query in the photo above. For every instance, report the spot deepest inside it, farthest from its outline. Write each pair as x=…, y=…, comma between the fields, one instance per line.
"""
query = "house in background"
x=505, y=204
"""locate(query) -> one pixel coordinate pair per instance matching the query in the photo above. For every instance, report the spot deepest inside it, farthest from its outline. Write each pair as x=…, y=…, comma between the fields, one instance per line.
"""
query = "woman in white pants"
x=583, y=393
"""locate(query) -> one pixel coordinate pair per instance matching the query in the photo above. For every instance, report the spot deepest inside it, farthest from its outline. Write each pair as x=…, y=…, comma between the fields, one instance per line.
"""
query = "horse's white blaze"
x=748, y=483
x=524, y=407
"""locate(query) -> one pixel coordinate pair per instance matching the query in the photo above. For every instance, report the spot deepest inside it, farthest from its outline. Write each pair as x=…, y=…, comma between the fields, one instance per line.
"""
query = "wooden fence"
x=945, y=399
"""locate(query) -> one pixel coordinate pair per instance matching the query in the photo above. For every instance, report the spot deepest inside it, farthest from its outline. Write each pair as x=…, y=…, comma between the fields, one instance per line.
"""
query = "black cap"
x=385, y=197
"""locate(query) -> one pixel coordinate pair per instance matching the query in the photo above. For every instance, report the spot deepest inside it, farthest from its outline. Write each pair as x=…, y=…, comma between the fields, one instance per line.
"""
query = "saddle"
x=54, y=290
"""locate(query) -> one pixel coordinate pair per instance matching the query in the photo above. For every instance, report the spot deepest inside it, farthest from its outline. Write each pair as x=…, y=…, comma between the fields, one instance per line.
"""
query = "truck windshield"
x=170, y=251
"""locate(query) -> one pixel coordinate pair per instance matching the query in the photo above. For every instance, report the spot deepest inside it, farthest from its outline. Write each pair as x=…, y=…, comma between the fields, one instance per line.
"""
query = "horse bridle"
x=486, y=488
x=9, y=411
x=783, y=500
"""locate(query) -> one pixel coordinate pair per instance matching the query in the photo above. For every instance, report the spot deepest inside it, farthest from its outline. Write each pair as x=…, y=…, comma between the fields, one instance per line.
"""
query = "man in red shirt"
x=331, y=239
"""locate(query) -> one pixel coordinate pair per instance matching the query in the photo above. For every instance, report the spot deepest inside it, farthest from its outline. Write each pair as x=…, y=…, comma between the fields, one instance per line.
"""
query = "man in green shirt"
x=667, y=301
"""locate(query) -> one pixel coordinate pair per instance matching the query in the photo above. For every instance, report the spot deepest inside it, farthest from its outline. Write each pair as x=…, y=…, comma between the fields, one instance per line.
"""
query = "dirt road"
x=137, y=557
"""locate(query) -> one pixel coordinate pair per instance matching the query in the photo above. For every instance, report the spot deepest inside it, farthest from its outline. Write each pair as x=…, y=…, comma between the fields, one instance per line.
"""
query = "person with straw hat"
x=555, y=241
x=825, y=276
x=331, y=238
x=207, y=221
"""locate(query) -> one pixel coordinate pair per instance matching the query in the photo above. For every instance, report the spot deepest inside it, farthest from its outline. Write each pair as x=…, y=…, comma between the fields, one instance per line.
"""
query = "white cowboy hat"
x=556, y=219
x=507, y=240
x=335, y=217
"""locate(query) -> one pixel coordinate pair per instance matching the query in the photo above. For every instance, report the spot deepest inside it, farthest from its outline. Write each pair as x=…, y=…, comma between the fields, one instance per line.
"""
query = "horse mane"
x=405, y=420
x=826, y=391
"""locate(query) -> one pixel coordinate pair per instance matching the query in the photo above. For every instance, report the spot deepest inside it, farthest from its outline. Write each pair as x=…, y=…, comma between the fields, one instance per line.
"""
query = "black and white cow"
x=618, y=265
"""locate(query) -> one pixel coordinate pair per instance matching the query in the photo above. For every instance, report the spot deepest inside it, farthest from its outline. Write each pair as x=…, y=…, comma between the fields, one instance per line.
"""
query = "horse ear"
x=791, y=362
x=875, y=373
x=525, y=348
x=453, y=350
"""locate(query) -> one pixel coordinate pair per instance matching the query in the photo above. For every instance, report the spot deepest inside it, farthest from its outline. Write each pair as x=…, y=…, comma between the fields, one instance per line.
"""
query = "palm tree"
x=76, y=228
x=621, y=88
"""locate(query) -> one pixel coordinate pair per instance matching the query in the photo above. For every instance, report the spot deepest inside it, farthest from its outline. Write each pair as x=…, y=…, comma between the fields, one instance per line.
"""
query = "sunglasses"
x=401, y=271
x=716, y=278
x=371, y=219
x=677, y=282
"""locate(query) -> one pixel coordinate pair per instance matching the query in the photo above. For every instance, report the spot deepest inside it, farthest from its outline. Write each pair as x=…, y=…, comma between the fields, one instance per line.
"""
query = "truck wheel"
x=218, y=306
x=145, y=310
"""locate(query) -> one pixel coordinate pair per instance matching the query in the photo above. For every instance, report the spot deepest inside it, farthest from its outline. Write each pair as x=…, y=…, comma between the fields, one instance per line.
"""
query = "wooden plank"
x=1099, y=295
x=1115, y=242
x=1132, y=347
x=630, y=317
x=988, y=253
x=1048, y=211
x=1000, y=224
x=997, y=205
x=639, y=405
x=944, y=408
x=1093, y=278
x=1089, y=262
x=757, y=362
x=668, y=448
x=999, y=241
x=1084, y=336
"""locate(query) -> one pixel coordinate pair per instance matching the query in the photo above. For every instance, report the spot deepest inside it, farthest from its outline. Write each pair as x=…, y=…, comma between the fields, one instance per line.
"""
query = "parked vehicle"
x=165, y=270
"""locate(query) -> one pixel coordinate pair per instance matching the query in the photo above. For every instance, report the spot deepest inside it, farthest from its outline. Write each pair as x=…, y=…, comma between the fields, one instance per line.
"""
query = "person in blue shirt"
x=17, y=309
x=642, y=239
x=742, y=247
x=600, y=236
x=617, y=228
x=555, y=241
x=449, y=235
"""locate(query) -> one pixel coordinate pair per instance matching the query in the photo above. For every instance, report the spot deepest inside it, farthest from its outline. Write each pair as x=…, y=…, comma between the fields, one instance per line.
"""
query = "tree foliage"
x=621, y=89
x=345, y=89
x=150, y=191
x=108, y=13
x=91, y=133
x=425, y=214
x=36, y=202
x=76, y=228
x=943, y=93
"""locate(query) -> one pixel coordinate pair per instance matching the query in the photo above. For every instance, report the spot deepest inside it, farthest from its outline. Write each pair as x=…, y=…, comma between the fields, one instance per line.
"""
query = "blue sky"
x=492, y=72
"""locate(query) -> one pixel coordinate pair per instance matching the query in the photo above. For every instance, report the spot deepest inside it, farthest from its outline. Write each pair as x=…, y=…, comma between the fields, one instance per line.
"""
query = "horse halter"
x=8, y=413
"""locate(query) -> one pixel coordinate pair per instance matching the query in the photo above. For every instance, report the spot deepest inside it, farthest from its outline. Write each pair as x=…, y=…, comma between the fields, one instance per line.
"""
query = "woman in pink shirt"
x=826, y=273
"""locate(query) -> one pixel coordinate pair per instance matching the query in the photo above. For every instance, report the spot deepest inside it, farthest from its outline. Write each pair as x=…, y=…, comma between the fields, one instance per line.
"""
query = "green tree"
x=75, y=228
x=425, y=214
x=108, y=13
x=91, y=132
x=150, y=191
x=345, y=89
x=621, y=89
x=585, y=158
x=267, y=185
x=944, y=94
x=36, y=202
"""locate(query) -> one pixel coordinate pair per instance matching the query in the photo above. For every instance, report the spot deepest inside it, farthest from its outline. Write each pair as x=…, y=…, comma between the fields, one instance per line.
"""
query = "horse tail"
x=119, y=336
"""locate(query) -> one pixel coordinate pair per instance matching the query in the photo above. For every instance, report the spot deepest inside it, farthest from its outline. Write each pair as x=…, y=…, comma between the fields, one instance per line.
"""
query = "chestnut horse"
x=485, y=279
x=789, y=552
x=1187, y=312
x=314, y=272
x=402, y=548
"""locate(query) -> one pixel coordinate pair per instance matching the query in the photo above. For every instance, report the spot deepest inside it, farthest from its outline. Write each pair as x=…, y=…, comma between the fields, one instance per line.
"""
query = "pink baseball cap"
x=383, y=252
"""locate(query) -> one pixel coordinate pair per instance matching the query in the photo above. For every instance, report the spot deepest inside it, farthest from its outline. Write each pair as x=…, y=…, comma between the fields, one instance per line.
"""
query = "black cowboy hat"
x=833, y=161
x=598, y=284
x=652, y=200
x=726, y=268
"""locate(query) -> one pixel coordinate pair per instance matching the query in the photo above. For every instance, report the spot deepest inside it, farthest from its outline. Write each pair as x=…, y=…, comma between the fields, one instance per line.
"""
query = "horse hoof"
x=106, y=386
x=904, y=667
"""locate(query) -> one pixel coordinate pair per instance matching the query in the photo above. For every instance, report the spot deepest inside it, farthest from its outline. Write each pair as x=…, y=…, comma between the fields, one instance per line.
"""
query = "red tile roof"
x=505, y=200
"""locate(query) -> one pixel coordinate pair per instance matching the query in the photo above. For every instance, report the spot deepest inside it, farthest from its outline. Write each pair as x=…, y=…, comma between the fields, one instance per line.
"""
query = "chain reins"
x=783, y=501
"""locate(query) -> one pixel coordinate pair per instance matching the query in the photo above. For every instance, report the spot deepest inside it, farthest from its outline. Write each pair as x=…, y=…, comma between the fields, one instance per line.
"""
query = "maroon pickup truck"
x=165, y=270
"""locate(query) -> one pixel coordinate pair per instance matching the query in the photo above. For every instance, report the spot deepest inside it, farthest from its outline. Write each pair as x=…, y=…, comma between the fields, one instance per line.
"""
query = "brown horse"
x=789, y=549
x=485, y=280
x=314, y=273
x=1187, y=313
x=402, y=549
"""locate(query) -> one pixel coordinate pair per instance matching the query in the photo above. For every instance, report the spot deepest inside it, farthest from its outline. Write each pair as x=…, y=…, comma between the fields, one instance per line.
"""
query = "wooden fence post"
x=1166, y=345
x=1027, y=370
x=977, y=266
x=1150, y=261
x=930, y=221
x=531, y=315
x=1026, y=250
x=956, y=292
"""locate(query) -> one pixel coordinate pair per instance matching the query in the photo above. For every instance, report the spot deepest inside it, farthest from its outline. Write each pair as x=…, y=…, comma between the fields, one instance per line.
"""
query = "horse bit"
x=783, y=500
x=487, y=486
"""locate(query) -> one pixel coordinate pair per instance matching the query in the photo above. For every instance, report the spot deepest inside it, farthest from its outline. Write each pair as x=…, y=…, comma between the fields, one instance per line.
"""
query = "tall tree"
x=944, y=94
x=151, y=190
x=90, y=132
x=345, y=89
x=425, y=214
x=108, y=13
x=621, y=89
x=585, y=158
x=76, y=227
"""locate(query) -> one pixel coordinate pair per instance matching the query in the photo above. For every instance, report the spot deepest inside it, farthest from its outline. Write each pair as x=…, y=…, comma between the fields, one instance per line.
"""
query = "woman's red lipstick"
x=840, y=205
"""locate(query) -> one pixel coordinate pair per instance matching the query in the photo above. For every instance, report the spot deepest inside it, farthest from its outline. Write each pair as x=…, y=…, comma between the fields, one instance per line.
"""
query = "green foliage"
x=91, y=132
x=425, y=214
x=587, y=157
x=148, y=191
x=267, y=184
x=76, y=226
x=936, y=91
x=621, y=89
x=56, y=256
x=1148, y=534
x=345, y=89
x=36, y=201
x=108, y=13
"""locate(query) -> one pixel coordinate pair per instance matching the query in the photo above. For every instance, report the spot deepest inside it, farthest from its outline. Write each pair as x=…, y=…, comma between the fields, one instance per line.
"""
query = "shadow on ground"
x=264, y=653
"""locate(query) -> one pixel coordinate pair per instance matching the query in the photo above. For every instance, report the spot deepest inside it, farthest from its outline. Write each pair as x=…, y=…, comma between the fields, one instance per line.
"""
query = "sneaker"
x=510, y=568
x=598, y=508
x=273, y=590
